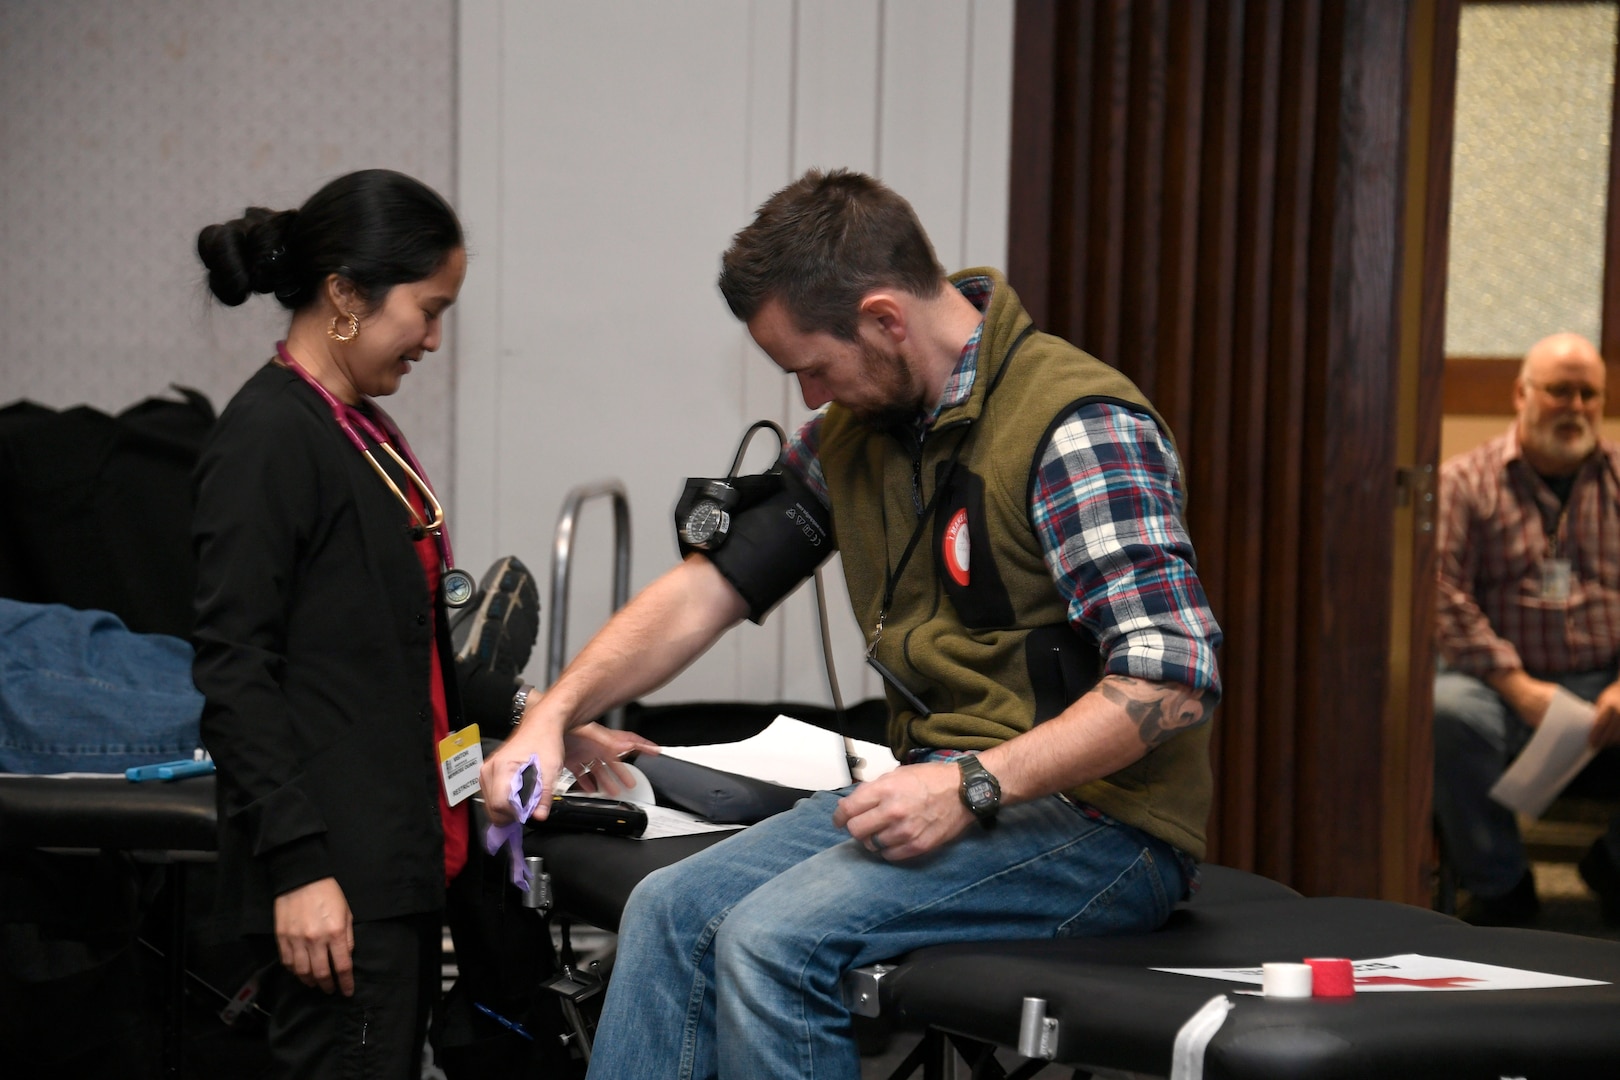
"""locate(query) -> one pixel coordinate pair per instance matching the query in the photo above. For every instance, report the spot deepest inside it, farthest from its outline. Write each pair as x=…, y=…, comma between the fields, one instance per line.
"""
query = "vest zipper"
x=914, y=441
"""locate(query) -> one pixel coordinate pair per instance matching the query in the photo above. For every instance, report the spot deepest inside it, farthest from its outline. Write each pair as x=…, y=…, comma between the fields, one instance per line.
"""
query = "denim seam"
x=1097, y=829
x=91, y=680
x=1105, y=895
x=694, y=1003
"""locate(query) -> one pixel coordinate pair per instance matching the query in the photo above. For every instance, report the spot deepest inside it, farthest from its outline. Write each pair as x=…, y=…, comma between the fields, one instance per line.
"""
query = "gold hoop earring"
x=354, y=328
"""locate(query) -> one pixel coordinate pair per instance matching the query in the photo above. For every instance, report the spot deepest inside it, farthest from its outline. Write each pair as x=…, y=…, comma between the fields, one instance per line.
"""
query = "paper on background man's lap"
x=1551, y=759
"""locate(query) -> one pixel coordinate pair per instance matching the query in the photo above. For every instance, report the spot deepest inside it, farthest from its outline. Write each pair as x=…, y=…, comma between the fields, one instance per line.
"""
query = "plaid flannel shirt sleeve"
x=801, y=455
x=1464, y=636
x=1106, y=504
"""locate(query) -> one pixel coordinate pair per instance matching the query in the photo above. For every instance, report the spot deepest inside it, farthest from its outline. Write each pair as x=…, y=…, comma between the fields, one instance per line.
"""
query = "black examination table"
x=1097, y=1003
x=170, y=823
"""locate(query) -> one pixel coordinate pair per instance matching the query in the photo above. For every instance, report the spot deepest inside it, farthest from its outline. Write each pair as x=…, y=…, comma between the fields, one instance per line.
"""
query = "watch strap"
x=974, y=774
x=520, y=701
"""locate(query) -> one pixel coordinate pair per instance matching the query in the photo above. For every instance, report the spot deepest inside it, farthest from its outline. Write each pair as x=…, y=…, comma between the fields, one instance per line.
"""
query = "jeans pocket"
x=1135, y=900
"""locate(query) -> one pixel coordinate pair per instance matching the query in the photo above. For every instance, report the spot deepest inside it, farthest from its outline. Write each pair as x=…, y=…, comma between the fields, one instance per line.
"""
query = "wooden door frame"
x=1409, y=861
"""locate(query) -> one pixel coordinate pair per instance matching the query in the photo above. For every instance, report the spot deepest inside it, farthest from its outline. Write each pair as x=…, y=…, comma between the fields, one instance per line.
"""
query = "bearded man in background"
x=1529, y=601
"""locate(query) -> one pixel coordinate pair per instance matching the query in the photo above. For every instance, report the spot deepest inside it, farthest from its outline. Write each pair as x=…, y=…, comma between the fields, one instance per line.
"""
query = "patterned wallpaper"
x=1530, y=174
x=129, y=126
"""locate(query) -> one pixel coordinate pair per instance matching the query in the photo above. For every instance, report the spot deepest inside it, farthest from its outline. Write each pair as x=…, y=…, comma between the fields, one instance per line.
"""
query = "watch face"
x=705, y=520
x=458, y=588
x=980, y=791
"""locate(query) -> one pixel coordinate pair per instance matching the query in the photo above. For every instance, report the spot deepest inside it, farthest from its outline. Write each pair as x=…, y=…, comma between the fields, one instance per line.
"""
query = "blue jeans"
x=79, y=692
x=729, y=962
x=1476, y=736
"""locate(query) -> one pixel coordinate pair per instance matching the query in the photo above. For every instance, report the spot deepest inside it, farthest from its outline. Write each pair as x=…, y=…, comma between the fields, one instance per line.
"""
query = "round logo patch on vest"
x=955, y=550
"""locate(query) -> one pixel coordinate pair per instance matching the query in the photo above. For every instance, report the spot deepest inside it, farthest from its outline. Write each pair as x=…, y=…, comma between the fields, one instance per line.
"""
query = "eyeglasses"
x=1564, y=393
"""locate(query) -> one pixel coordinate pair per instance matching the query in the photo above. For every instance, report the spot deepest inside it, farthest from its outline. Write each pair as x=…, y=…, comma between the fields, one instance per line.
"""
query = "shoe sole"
x=500, y=598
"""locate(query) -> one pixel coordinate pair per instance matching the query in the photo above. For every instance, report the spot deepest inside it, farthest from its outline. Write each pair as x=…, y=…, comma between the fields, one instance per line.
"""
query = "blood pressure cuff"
x=775, y=544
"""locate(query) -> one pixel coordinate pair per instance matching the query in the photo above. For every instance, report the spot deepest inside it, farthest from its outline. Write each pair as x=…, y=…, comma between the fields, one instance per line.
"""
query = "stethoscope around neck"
x=456, y=585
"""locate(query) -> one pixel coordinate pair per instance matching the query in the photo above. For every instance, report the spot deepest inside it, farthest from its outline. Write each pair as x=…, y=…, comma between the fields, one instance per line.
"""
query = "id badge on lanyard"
x=1556, y=577
x=1557, y=570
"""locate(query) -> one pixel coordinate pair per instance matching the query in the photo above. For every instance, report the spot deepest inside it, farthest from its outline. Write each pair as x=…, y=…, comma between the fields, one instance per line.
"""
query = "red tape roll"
x=1331, y=977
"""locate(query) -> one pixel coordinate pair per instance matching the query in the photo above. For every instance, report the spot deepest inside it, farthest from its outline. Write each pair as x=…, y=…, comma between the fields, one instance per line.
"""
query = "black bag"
x=504, y=954
x=99, y=508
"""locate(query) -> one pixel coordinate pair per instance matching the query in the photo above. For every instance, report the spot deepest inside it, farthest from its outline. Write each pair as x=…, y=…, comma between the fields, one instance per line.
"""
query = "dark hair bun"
x=374, y=228
x=249, y=255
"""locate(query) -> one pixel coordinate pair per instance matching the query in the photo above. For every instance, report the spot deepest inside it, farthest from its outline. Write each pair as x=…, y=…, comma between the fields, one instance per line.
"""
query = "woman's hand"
x=591, y=752
x=315, y=935
x=533, y=737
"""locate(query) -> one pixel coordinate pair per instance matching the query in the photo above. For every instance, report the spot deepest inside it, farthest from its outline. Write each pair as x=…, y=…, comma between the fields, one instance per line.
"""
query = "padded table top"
x=1115, y=1012
x=111, y=812
x=592, y=874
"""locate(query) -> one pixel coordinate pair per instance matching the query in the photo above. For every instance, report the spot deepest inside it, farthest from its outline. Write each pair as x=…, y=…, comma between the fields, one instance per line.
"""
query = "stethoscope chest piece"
x=458, y=588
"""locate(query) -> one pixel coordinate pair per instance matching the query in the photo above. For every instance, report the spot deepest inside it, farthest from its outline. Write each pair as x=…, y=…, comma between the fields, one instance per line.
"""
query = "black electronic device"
x=981, y=792
x=584, y=813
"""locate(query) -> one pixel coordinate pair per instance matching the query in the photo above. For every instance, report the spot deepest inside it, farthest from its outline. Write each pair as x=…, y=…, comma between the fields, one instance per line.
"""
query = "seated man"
x=1529, y=600
x=1009, y=513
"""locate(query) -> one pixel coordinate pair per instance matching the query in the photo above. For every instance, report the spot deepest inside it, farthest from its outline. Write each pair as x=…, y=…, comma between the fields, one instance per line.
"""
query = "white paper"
x=668, y=821
x=790, y=752
x=1551, y=759
x=875, y=760
x=1410, y=972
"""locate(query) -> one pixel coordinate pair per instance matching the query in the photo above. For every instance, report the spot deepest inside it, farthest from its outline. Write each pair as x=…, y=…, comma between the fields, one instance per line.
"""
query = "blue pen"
x=501, y=1020
x=169, y=770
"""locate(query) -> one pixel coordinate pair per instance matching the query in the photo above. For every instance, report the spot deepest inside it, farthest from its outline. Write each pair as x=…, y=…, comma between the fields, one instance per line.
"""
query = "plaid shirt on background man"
x=1497, y=523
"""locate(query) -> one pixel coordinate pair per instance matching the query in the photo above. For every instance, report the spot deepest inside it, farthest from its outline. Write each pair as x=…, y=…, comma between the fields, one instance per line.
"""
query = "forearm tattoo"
x=1159, y=710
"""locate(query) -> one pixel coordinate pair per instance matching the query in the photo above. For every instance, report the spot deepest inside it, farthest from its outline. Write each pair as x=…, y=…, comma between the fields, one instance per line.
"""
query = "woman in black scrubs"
x=324, y=567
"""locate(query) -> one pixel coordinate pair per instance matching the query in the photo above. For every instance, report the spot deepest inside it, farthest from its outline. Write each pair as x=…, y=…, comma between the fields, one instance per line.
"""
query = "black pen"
x=905, y=691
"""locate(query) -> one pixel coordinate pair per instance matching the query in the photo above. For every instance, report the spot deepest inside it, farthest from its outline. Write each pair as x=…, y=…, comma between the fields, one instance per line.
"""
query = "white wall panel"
x=837, y=52
x=607, y=153
x=127, y=127
x=985, y=192
x=924, y=112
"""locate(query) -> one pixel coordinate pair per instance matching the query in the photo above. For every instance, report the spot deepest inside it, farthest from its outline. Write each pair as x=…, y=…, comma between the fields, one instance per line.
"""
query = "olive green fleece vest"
x=975, y=627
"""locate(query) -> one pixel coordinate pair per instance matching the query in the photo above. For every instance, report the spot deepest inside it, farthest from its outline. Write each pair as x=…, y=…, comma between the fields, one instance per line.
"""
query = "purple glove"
x=511, y=836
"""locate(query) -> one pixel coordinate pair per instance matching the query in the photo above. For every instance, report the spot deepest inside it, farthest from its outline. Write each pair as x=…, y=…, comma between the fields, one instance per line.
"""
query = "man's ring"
x=877, y=845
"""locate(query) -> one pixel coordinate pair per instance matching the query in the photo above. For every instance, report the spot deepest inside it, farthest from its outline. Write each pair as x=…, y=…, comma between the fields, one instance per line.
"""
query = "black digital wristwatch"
x=981, y=792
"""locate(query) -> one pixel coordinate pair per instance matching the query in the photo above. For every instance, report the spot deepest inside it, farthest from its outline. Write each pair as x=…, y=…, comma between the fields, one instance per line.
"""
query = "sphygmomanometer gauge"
x=708, y=522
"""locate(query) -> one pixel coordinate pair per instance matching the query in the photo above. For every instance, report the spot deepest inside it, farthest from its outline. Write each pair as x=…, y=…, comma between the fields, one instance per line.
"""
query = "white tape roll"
x=1285, y=980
